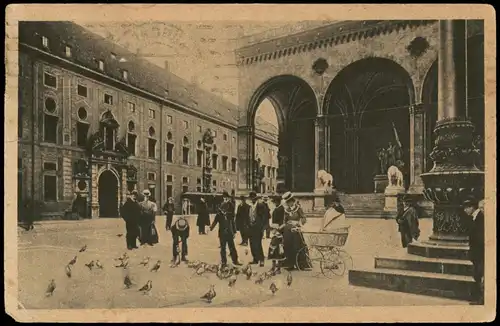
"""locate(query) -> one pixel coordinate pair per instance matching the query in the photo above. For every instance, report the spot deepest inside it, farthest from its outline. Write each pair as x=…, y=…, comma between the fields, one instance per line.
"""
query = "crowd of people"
x=255, y=219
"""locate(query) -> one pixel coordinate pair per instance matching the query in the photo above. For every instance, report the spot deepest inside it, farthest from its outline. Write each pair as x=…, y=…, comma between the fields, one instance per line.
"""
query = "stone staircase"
x=365, y=206
x=429, y=268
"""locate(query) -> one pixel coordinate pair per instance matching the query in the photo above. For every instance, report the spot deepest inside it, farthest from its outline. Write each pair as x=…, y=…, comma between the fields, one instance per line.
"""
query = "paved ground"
x=44, y=252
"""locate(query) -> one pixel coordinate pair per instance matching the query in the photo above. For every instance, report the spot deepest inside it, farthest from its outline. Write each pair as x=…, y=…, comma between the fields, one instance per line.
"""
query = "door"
x=108, y=194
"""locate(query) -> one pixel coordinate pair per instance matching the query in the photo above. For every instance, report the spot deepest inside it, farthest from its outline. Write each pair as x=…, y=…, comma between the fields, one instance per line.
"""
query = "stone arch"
x=288, y=94
x=367, y=104
x=108, y=202
x=111, y=169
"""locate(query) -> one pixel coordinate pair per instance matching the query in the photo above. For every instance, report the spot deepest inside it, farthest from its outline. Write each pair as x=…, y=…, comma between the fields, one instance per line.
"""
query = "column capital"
x=320, y=120
x=245, y=129
x=417, y=108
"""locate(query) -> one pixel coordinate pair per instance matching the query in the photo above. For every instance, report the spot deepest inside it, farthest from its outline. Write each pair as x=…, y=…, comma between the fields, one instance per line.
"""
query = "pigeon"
x=248, y=273
x=210, y=295
x=72, y=261
x=156, y=267
x=232, y=281
x=123, y=257
x=273, y=288
x=237, y=271
x=119, y=235
x=98, y=264
x=127, y=281
x=260, y=280
x=147, y=287
x=51, y=288
x=200, y=270
x=145, y=261
x=90, y=265
x=68, y=271
x=123, y=264
x=289, y=279
x=268, y=274
x=83, y=248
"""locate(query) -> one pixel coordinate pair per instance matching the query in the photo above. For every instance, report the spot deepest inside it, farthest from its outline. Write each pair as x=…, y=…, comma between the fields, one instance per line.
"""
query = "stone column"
x=417, y=130
x=94, y=206
x=454, y=175
x=123, y=188
x=283, y=158
x=245, y=157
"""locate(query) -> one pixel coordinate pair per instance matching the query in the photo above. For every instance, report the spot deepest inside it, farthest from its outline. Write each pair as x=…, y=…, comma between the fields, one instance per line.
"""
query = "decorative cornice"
x=322, y=37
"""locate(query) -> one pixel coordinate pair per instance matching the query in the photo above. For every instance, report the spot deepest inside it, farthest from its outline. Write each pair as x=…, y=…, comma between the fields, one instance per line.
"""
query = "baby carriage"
x=325, y=246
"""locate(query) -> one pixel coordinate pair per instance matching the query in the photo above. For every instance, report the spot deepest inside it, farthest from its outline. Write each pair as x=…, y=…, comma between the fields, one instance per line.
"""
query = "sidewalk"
x=102, y=222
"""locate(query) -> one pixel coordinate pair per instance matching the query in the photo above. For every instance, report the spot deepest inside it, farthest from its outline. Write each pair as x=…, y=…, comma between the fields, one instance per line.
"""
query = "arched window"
x=82, y=127
x=131, y=138
x=50, y=121
x=185, y=150
x=151, y=143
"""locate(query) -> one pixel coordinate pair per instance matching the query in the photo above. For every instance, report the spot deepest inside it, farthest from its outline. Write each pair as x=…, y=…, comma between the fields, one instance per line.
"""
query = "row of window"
x=51, y=81
x=50, y=183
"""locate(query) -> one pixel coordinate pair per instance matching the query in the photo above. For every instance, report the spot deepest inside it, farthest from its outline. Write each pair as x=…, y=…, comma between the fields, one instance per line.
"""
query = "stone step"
x=431, y=284
x=424, y=264
x=438, y=251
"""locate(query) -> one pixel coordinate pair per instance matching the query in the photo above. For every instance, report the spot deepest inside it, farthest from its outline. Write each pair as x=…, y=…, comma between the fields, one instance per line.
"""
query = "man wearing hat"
x=227, y=229
x=407, y=220
x=258, y=223
x=265, y=200
x=131, y=213
x=243, y=220
x=180, y=233
x=476, y=246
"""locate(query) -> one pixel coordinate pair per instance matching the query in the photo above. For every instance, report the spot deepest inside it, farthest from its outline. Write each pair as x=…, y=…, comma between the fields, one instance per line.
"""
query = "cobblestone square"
x=44, y=253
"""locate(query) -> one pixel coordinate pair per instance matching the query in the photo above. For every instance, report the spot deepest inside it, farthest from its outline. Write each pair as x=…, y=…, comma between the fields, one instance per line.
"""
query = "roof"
x=88, y=48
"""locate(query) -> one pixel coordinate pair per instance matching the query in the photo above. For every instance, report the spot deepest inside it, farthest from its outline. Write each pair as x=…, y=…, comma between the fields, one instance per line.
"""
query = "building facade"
x=97, y=121
x=345, y=91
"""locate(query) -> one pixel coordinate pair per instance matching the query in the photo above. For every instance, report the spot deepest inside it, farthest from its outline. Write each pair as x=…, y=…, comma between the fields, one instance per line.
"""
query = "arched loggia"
x=475, y=97
x=289, y=95
x=367, y=105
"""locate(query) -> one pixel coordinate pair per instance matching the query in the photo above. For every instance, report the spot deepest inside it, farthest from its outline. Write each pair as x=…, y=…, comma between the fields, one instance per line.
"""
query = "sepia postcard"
x=250, y=163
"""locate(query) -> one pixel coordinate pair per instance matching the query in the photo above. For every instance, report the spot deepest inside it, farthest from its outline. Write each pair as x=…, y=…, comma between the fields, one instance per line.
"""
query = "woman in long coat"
x=203, y=219
x=293, y=240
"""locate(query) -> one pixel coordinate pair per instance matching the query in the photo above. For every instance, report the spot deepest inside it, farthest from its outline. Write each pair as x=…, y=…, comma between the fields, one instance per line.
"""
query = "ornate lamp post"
x=454, y=174
x=208, y=141
x=258, y=175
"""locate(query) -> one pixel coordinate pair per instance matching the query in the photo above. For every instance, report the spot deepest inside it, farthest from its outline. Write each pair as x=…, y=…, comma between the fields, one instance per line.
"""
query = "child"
x=276, y=251
x=180, y=233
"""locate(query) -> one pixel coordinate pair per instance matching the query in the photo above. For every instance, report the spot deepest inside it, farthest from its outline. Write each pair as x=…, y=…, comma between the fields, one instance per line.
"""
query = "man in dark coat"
x=227, y=229
x=265, y=199
x=180, y=234
x=243, y=221
x=203, y=219
x=407, y=220
x=476, y=247
x=169, y=210
x=258, y=223
x=131, y=213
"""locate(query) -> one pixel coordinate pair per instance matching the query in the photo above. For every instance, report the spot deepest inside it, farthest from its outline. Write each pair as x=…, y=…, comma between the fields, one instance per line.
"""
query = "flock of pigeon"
x=226, y=273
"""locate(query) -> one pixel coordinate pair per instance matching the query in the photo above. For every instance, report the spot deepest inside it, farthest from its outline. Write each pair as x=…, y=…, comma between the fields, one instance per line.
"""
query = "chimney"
x=166, y=66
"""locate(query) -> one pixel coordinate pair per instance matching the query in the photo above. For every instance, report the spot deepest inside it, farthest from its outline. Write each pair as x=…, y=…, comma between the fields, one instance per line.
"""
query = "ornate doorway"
x=108, y=194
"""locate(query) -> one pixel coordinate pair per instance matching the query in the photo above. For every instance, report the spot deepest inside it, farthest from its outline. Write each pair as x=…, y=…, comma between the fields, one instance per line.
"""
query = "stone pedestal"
x=381, y=182
x=391, y=198
x=319, y=199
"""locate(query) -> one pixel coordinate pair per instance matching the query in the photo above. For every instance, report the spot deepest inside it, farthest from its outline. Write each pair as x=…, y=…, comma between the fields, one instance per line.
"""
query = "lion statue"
x=395, y=176
x=324, y=180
